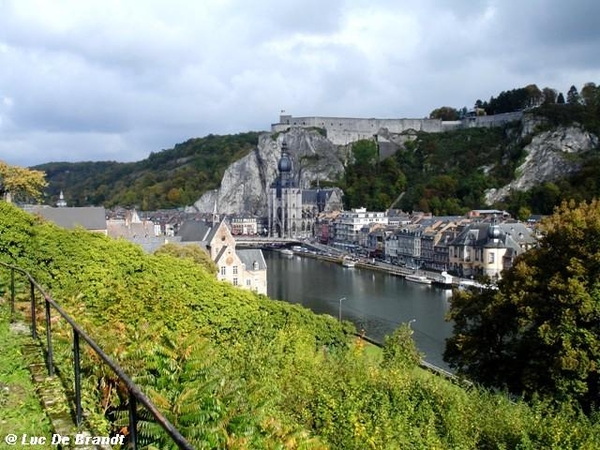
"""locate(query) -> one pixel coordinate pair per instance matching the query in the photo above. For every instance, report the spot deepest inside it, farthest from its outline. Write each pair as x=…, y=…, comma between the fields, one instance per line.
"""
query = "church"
x=293, y=210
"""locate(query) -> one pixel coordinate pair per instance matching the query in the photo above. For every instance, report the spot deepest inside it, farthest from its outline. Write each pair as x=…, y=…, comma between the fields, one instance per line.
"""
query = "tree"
x=444, y=113
x=193, y=252
x=534, y=97
x=573, y=96
x=21, y=183
x=590, y=95
x=549, y=95
x=560, y=99
x=539, y=332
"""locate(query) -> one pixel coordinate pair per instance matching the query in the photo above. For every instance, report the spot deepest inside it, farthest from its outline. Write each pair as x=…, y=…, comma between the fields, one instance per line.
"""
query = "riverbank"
x=325, y=253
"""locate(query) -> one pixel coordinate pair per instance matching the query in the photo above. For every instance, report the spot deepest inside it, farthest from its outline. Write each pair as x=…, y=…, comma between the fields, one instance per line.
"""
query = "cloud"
x=106, y=79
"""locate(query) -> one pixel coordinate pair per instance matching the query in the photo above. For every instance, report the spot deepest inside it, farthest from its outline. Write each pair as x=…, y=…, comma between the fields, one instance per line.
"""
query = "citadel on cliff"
x=345, y=130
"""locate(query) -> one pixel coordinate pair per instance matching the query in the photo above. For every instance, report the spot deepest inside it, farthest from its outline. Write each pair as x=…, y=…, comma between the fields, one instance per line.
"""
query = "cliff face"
x=245, y=185
x=246, y=182
x=550, y=155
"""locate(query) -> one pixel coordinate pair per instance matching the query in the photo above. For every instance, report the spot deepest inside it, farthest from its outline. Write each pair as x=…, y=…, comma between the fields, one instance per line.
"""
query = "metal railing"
x=134, y=393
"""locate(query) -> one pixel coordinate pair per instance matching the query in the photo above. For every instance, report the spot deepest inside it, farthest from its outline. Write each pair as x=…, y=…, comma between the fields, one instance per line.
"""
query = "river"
x=373, y=301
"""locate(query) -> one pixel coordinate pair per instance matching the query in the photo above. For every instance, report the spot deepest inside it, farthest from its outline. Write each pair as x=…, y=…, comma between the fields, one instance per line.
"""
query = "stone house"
x=487, y=248
x=245, y=268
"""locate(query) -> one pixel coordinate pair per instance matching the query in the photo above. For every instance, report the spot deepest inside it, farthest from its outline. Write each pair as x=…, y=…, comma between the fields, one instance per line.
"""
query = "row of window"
x=224, y=270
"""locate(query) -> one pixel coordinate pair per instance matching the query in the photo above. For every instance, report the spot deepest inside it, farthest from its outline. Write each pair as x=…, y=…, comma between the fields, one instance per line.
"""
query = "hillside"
x=525, y=167
x=166, y=179
x=236, y=370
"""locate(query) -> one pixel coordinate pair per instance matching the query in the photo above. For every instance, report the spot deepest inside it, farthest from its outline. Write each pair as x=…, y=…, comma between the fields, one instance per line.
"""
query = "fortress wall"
x=344, y=130
x=495, y=120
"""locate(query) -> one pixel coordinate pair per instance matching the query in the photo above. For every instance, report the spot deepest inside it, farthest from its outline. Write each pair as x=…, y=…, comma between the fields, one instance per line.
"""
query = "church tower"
x=285, y=200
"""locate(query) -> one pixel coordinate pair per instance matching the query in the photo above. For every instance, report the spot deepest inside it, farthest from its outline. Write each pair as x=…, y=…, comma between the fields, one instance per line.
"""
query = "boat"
x=286, y=252
x=422, y=279
x=348, y=262
x=443, y=281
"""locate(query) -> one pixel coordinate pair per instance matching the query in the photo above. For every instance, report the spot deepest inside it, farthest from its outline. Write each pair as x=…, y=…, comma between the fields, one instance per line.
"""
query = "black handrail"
x=135, y=393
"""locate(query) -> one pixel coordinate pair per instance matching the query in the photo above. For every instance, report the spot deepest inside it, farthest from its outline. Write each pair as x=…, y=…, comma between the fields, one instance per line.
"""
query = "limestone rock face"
x=245, y=185
x=550, y=155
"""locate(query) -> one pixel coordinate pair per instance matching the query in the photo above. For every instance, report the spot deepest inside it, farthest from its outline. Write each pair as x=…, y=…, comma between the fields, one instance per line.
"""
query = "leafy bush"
x=236, y=370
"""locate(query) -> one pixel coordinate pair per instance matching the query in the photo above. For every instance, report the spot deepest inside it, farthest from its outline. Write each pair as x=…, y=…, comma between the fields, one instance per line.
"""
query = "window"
x=223, y=270
x=492, y=257
x=235, y=270
x=248, y=282
x=235, y=281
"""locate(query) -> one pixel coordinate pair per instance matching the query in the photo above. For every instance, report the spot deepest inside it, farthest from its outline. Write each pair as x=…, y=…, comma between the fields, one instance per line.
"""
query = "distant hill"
x=526, y=167
x=166, y=179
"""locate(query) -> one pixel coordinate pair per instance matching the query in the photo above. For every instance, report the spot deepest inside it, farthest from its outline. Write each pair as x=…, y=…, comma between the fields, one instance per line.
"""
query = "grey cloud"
x=117, y=80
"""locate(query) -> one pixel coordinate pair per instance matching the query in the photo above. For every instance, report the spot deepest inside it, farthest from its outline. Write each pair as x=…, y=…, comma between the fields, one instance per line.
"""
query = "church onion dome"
x=285, y=163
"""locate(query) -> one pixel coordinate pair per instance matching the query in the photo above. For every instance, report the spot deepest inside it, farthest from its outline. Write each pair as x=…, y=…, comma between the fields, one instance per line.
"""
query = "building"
x=349, y=224
x=292, y=210
x=243, y=226
x=144, y=232
x=92, y=218
x=245, y=268
x=487, y=248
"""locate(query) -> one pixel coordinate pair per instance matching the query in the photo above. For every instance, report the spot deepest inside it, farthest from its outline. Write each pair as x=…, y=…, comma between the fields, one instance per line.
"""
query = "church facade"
x=293, y=210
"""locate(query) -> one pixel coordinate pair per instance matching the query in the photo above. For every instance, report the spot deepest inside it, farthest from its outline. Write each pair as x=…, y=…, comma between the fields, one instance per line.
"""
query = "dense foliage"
x=448, y=173
x=539, y=334
x=167, y=179
x=233, y=370
x=21, y=183
x=438, y=172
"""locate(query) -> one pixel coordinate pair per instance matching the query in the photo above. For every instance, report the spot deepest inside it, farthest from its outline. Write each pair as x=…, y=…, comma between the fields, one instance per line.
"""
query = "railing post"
x=12, y=293
x=78, y=414
x=50, y=358
x=33, y=321
x=132, y=420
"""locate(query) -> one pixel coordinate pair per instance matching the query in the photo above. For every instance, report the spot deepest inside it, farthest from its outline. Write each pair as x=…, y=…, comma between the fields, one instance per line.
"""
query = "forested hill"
x=442, y=173
x=166, y=179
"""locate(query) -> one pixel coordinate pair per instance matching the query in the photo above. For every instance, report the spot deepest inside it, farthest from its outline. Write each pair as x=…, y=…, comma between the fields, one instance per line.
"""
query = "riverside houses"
x=349, y=224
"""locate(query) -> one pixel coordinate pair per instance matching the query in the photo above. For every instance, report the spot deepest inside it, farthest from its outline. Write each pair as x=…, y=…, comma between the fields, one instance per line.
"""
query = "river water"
x=374, y=301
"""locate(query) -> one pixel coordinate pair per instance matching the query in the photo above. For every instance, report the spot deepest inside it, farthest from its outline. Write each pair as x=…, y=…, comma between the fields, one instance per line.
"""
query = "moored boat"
x=444, y=281
x=348, y=262
x=422, y=279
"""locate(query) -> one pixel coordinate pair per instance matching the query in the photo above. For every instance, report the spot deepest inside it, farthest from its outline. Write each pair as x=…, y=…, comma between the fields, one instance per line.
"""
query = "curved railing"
x=135, y=394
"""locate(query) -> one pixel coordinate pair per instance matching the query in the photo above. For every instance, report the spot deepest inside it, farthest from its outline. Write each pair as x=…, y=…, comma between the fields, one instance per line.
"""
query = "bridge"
x=263, y=241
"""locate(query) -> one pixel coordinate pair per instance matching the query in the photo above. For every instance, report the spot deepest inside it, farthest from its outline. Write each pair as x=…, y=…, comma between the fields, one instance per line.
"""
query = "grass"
x=20, y=409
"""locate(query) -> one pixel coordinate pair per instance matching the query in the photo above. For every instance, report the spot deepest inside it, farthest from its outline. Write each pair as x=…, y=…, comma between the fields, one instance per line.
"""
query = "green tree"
x=399, y=349
x=549, y=96
x=539, y=333
x=193, y=252
x=573, y=97
x=444, y=113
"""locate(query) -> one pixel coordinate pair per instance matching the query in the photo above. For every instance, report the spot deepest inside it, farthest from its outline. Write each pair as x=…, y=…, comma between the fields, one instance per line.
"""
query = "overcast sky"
x=116, y=80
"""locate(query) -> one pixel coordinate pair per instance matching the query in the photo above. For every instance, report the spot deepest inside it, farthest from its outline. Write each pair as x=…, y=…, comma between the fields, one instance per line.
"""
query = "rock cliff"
x=550, y=155
x=246, y=182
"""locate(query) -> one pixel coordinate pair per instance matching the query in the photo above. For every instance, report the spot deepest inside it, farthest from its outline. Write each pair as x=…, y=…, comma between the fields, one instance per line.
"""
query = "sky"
x=115, y=80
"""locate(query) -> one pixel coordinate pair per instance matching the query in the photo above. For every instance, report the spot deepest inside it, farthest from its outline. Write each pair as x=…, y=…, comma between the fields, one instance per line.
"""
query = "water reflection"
x=376, y=302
